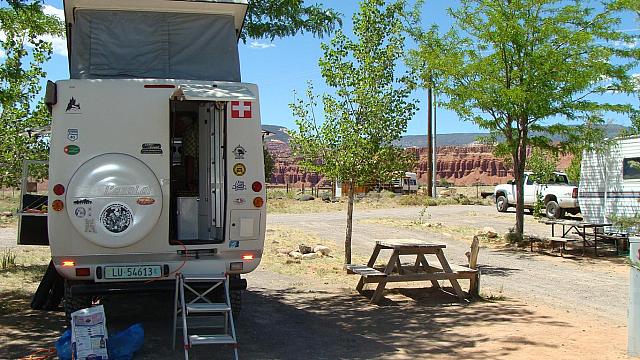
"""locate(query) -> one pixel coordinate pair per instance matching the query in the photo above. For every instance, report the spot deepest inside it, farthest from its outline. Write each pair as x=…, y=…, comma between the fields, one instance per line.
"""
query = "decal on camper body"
x=72, y=134
x=239, y=186
x=241, y=110
x=239, y=152
x=73, y=107
x=239, y=169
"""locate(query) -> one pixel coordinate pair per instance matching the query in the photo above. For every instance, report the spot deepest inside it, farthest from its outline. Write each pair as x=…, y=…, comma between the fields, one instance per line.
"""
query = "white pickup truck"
x=558, y=195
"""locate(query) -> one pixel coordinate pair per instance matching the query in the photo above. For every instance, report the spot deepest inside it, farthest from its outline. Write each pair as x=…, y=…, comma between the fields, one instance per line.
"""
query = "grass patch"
x=9, y=203
x=493, y=297
x=422, y=223
x=19, y=281
x=328, y=270
x=281, y=202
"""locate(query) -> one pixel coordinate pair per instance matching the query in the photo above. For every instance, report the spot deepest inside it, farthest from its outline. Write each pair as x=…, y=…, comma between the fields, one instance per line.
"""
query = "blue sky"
x=285, y=65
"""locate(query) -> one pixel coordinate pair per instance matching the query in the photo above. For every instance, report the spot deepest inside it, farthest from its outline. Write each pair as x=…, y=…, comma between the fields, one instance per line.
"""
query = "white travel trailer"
x=407, y=184
x=156, y=163
x=610, y=181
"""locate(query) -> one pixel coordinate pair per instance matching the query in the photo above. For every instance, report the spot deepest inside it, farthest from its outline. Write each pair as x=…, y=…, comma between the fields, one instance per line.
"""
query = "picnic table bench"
x=580, y=228
x=420, y=270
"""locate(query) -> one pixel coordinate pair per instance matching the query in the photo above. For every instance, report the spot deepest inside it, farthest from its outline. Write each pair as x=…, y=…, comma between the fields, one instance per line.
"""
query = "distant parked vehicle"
x=557, y=194
x=610, y=181
x=407, y=184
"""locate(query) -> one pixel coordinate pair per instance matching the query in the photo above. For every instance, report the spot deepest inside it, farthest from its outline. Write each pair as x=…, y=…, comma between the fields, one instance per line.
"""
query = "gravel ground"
x=551, y=303
x=597, y=287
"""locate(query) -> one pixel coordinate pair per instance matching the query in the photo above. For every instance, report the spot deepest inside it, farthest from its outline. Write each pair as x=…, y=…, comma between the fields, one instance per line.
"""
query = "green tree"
x=25, y=51
x=282, y=18
x=269, y=164
x=519, y=68
x=368, y=111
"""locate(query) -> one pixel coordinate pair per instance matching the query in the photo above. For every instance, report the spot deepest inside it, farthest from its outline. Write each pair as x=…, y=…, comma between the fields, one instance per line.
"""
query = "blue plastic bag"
x=122, y=345
x=63, y=346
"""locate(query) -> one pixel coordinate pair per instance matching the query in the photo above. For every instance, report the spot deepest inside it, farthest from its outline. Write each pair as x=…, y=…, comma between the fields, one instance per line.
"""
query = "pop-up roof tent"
x=165, y=39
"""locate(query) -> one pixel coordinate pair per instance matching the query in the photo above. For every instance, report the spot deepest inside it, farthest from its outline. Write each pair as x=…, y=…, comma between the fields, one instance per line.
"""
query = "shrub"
x=411, y=200
x=512, y=237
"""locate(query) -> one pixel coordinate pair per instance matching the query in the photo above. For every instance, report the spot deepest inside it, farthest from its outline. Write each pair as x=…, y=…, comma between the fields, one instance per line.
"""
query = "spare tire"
x=114, y=200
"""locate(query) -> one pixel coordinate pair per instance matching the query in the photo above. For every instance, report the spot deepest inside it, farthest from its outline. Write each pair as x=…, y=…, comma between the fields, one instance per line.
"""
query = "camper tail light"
x=83, y=271
x=248, y=257
x=235, y=266
x=58, y=189
x=258, y=202
x=575, y=193
x=256, y=186
x=68, y=263
x=57, y=205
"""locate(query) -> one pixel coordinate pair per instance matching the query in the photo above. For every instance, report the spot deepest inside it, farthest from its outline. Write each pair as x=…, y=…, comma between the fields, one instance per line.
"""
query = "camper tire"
x=553, y=210
x=502, y=204
x=73, y=303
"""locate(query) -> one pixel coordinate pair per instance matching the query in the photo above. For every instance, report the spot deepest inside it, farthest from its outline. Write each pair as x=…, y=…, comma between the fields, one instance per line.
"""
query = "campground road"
x=588, y=286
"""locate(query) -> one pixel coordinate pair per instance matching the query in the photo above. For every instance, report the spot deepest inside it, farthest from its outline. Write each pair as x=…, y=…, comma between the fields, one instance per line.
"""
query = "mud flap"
x=50, y=291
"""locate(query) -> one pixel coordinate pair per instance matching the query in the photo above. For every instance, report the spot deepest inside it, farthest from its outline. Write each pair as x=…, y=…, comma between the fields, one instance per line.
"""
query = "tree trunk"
x=519, y=163
x=347, y=240
x=430, y=148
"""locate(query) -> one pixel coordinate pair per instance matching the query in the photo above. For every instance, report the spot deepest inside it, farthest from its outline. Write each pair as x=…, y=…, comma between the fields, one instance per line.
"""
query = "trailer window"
x=631, y=168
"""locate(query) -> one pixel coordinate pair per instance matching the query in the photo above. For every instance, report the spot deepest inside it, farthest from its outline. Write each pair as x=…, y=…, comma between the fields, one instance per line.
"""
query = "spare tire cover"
x=114, y=200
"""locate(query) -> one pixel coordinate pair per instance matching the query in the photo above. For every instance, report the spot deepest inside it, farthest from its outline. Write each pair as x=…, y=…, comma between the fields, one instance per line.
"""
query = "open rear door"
x=211, y=102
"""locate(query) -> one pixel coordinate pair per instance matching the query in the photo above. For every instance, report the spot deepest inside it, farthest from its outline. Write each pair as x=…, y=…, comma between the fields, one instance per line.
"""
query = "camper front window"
x=631, y=168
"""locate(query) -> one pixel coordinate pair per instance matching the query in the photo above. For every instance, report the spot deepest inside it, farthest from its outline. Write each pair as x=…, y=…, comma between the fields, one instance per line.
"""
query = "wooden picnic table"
x=420, y=270
x=580, y=228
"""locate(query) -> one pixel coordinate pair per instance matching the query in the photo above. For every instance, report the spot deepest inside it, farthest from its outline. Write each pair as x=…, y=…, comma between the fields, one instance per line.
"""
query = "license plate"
x=132, y=272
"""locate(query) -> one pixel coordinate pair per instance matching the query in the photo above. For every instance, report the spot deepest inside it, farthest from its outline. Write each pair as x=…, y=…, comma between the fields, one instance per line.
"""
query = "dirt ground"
x=537, y=306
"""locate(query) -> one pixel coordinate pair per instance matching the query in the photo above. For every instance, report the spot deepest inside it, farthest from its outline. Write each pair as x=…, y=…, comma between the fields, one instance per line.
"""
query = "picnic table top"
x=576, y=223
x=407, y=243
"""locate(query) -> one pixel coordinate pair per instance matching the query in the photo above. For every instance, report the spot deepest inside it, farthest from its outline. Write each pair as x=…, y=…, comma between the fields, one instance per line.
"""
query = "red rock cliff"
x=460, y=165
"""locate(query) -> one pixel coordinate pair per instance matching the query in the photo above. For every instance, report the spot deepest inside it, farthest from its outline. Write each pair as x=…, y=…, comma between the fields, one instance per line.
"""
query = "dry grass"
x=9, y=203
x=327, y=270
x=424, y=224
x=19, y=282
x=284, y=203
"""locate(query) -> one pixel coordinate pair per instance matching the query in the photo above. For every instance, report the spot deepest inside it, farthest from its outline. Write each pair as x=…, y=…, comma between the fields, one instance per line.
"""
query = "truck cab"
x=156, y=162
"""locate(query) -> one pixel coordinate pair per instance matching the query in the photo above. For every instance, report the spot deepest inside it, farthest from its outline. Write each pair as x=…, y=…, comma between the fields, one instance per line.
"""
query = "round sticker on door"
x=116, y=218
x=239, y=169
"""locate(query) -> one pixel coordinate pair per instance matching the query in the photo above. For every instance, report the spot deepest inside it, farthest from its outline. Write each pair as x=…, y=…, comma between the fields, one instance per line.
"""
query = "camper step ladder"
x=198, y=289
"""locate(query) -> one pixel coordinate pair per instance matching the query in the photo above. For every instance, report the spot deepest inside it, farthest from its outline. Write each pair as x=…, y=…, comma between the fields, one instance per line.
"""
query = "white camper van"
x=610, y=181
x=156, y=163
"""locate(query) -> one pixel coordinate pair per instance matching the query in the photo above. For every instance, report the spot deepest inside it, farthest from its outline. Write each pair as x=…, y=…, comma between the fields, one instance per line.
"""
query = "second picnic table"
x=580, y=228
x=420, y=270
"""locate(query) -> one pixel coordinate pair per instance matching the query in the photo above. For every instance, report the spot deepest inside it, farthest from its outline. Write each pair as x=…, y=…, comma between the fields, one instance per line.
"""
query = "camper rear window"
x=631, y=168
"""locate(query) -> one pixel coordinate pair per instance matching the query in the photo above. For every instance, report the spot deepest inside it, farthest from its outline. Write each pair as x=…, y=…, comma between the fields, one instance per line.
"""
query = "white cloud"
x=261, y=45
x=52, y=10
x=630, y=45
x=59, y=43
x=3, y=54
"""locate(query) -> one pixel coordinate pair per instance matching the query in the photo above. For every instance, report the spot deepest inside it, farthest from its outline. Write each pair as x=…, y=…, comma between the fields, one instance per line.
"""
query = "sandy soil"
x=552, y=307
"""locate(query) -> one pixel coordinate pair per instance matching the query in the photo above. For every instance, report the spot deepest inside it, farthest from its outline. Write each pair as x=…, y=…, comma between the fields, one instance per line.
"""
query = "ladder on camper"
x=199, y=290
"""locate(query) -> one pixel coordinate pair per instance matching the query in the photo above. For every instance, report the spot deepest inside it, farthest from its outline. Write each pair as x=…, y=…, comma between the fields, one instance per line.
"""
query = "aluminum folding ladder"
x=200, y=305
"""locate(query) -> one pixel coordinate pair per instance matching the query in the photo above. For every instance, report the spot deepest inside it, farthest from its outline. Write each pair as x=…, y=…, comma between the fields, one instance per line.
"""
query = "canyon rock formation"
x=459, y=165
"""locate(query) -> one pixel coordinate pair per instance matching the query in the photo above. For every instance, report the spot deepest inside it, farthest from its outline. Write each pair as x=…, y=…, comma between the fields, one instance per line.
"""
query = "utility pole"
x=430, y=167
x=434, y=162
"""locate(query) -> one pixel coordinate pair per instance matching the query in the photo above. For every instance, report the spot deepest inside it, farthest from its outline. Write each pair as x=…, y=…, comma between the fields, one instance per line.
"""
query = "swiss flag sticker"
x=241, y=110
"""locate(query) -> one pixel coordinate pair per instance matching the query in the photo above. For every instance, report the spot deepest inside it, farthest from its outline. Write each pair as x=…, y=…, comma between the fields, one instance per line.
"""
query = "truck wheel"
x=553, y=210
x=236, y=303
x=73, y=303
x=502, y=204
